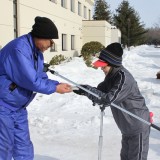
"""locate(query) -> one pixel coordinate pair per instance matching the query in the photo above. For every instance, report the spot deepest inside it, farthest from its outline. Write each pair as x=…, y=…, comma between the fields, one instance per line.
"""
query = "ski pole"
x=100, y=143
x=103, y=99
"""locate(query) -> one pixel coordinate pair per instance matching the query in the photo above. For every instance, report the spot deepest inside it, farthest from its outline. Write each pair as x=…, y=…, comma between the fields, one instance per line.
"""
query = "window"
x=79, y=8
x=64, y=3
x=89, y=14
x=64, y=42
x=15, y=18
x=54, y=1
x=72, y=42
x=85, y=12
x=72, y=5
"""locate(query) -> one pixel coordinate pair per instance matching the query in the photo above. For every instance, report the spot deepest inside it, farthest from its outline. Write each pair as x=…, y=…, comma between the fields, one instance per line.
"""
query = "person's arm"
x=21, y=71
x=117, y=94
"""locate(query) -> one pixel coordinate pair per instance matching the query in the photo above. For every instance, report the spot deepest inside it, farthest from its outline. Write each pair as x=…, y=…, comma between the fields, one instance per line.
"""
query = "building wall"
x=96, y=31
x=6, y=21
x=67, y=22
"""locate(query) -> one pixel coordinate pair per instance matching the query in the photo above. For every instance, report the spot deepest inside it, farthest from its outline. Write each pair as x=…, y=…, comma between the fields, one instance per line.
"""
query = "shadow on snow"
x=40, y=157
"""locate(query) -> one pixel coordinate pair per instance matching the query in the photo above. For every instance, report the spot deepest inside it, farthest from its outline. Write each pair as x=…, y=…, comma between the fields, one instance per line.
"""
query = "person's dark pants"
x=14, y=135
x=135, y=147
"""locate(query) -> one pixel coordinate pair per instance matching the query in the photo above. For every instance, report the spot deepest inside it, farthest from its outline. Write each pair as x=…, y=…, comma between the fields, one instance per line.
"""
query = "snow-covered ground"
x=66, y=127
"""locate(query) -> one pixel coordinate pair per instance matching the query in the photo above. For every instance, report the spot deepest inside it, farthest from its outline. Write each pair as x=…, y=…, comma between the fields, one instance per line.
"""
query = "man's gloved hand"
x=45, y=67
x=80, y=91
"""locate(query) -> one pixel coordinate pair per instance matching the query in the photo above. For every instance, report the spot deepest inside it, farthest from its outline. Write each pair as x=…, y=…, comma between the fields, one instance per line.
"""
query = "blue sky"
x=149, y=10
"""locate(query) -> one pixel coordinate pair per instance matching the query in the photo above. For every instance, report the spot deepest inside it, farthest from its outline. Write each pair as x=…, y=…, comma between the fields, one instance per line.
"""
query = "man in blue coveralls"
x=21, y=75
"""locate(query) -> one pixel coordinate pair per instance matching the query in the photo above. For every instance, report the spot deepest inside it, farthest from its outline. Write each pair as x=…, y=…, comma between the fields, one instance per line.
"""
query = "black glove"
x=45, y=69
x=80, y=91
x=103, y=101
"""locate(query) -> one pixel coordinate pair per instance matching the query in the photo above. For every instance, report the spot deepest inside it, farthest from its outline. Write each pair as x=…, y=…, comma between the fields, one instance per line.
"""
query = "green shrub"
x=57, y=59
x=89, y=50
x=88, y=61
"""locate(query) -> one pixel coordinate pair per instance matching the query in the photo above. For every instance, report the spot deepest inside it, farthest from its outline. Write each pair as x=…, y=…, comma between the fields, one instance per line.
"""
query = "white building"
x=100, y=31
x=70, y=17
x=115, y=34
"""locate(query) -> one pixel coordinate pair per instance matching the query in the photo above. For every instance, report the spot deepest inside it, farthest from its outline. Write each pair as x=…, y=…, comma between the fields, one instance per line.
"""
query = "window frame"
x=64, y=42
x=79, y=8
x=72, y=42
x=64, y=3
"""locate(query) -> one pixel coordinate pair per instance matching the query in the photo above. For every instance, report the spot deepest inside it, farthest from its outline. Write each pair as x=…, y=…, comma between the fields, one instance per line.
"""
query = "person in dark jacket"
x=119, y=87
x=21, y=77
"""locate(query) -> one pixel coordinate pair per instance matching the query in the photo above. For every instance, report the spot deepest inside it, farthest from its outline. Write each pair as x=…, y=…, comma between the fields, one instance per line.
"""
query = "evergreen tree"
x=128, y=21
x=101, y=11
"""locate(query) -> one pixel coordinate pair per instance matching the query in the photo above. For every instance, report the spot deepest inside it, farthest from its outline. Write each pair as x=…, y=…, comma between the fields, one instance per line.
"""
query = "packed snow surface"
x=67, y=126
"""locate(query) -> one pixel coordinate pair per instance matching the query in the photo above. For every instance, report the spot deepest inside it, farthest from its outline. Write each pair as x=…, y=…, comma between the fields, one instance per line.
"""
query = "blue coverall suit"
x=21, y=75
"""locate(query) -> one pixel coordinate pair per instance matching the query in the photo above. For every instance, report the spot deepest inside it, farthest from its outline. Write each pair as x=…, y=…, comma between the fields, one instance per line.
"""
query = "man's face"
x=43, y=44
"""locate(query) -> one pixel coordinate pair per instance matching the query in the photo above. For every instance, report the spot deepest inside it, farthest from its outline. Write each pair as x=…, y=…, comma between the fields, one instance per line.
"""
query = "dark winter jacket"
x=21, y=65
x=121, y=89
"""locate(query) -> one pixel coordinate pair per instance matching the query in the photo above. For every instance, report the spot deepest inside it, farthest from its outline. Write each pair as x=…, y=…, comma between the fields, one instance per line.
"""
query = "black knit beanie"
x=44, y=28
x=112, y=54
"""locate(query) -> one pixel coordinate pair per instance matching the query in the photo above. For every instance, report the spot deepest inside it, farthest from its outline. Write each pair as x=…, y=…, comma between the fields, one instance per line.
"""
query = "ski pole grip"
x=52, y=71
x=156, y=127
